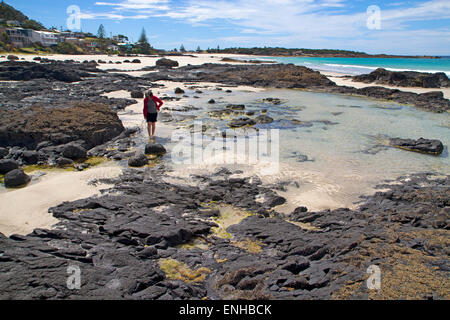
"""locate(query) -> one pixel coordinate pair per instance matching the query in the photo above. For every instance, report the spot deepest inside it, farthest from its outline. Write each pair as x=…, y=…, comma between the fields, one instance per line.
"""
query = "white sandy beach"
x=194, y=59
x=26, y=209
x=199, y=59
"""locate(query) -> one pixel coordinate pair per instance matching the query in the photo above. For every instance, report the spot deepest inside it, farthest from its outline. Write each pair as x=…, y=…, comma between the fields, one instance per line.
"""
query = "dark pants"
x=152, y=117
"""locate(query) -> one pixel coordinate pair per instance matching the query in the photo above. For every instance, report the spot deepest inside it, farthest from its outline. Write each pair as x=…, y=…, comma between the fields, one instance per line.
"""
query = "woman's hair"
x=149, y=94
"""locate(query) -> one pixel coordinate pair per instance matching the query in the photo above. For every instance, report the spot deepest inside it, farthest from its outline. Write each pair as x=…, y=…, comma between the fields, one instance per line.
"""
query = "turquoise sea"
x=354, y=66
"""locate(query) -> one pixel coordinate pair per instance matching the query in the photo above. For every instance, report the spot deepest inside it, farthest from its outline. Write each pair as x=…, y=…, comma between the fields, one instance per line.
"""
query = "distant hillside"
x=8, y=12
x=306, y=53
x=289, y=52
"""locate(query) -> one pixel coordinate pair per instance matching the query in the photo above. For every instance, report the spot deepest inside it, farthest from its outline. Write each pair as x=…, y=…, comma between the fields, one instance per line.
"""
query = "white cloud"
x=320, y=23
x=137, y=4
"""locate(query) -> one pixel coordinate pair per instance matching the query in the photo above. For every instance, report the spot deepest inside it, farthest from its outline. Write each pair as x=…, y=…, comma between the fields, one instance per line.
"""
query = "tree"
x=122, y=38
x=143, y=38
x=182, y=49
x=5, y=38
x=143, y=46
x=101, y=33
x=32, y=24
x=198, y=49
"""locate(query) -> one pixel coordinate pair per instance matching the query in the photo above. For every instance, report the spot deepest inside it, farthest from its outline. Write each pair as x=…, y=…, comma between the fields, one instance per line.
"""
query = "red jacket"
x=157, y=101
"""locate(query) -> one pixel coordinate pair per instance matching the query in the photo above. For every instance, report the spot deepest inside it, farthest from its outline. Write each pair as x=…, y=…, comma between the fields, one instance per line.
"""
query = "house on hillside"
x=46, y=38
x=26, y=37
x=63, y=35
x=20, y=37
x=75, y=41
x=13, y=23
x=113, y=47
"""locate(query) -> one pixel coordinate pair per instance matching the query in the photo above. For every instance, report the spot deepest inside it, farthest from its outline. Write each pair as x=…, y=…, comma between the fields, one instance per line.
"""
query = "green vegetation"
x=229, y=216
x=67, y=48
x=101, y=33
x=143, y=46
x=91, y=161
x=196, y=243
x=32, y=24
x=37, y=48
x=8, y=13
x=143, y=38
x=284, y=51
x=176, y=270
x=248, y=245
x=94, y=161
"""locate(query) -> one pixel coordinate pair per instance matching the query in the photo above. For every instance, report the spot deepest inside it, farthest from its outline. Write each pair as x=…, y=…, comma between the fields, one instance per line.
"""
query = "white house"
x=46, y=38
x=113, y=47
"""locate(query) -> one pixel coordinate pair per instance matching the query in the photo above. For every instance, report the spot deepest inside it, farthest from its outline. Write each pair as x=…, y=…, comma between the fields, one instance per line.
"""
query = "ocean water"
x=356, y=66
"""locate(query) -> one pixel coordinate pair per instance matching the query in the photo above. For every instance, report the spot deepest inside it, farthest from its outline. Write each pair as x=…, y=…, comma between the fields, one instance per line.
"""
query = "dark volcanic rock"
x=124, y=240
x=236, y=106
x=405, y=78
x=164, y=62
x=7, y=165
x=16, y=178
x=74, y=151
x=278, y=75
x=290, y=76
x=30, y=157
x=93, y=123
x=241, y=122
x=3, y=152
x=137, y=94
x=179, y=91
x=431, y=101
x=64, y=162
x=138, y=160
x=421, y=145
x=155, y=149
x=263, y=119
x=60, y=71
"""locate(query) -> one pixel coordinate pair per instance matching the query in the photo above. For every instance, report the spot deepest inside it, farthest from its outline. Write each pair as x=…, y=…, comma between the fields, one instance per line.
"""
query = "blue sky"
x=406, y=27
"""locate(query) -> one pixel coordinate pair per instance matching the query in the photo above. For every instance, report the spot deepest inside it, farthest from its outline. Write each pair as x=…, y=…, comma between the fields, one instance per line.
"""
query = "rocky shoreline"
x=405, y=78
x=44, y=116
x=148, y=237
x=294, y=77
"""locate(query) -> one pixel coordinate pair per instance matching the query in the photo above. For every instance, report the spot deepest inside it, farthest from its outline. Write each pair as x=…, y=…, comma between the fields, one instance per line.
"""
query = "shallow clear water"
x=340, y=155
x=346, y=146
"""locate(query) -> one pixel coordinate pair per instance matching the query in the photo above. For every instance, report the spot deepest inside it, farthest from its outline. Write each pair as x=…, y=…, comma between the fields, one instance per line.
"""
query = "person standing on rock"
x=152, y=105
